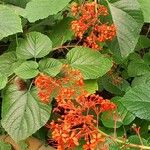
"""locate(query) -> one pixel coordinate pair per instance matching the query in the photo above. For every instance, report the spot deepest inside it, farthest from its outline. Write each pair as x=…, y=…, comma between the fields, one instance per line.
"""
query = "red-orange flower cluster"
x=88, y=21
x=46, y=85
x=77, y=122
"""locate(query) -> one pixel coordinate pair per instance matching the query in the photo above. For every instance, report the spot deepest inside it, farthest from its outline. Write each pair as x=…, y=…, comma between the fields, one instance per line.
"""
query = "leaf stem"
x=64, y=47
x=124, y=142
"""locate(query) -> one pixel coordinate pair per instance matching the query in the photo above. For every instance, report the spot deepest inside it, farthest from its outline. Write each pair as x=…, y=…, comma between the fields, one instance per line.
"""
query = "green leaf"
x=143, y=42
x=91, y=86
x=22, y=112
x=128, y=19
x=21, y=3
x=50, y=66
x=137, y=101
x=141, y=80
x=40, y=9
x=8, y=62
x=145, y=5
x=18, y=10
x=146, y=58
x=107, y=83
x=123, y=116
x=138, y=68
x=112, y=145
x=91, y=64
x=61, y=32
x=35, y=45
x=10, y=23
x=5, y=146
x=27, y=70
x=135, y=140
x=3, y=81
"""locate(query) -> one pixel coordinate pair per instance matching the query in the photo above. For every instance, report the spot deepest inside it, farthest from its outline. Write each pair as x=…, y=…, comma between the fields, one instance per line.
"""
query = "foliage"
x=80, y=68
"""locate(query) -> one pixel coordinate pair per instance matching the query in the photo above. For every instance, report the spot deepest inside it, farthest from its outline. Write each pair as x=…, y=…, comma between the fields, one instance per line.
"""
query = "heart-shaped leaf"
x=35, y=45
x=27, y=70
x=50, y=66
x=128, y=19
x=91, y=64
x=22, y=112
x=137, y=101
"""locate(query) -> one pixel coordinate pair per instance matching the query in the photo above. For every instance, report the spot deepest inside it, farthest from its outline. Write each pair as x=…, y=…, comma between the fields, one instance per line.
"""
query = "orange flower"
x=46, y=86
x=88, y=22
x=77, y=122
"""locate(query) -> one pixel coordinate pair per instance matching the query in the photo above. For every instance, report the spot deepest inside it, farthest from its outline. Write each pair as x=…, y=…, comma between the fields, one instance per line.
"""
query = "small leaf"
x=22, y=112
x=123, y=117
x=91, y=86
x=27, y=70
x=5, y=146
x=137, y=101
x=8, y=62
x=3, y=81
x=91, y=64
x=10, y=23
x=128, y=19
x=50, y=66
x=35, y=45
x=40, y=9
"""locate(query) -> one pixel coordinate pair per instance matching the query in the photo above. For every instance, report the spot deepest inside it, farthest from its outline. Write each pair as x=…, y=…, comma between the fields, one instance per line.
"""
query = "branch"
x=124, y=143
x=64, y=47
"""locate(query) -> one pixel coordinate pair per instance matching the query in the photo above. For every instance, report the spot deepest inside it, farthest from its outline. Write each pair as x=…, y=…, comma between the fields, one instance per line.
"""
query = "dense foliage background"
x=36, y=37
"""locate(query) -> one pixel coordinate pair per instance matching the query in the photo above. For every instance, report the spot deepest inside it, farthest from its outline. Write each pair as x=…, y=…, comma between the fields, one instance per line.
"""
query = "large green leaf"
x=123, y=116
x=22, y=112
x=128, y=19
x=8, y=62
x=3, y=81
x=40, y=9
x=145, y=5
x=137, y=101
x=35, y=45
x=10, y=23
x=61, y=32
x=91, y=64
x=50, y=66
x=27, y=70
